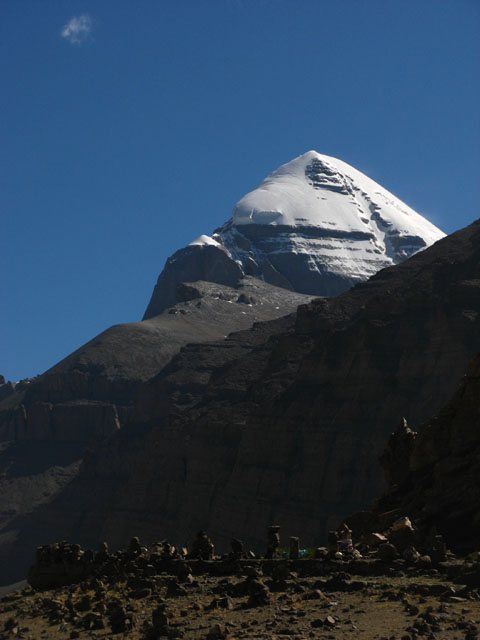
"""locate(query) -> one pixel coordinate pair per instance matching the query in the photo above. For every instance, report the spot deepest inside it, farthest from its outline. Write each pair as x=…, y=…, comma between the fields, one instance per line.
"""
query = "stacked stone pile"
x=145, y=569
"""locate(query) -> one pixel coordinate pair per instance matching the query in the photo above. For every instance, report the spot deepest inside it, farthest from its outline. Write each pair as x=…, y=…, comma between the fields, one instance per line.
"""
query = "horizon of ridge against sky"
x=129, y=130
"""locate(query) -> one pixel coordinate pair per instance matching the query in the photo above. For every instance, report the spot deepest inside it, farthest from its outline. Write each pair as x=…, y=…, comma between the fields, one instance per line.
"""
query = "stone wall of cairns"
x=63, y=563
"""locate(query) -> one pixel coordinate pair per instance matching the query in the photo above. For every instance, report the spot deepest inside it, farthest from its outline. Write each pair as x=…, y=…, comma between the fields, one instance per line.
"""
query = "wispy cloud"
x=77, y=29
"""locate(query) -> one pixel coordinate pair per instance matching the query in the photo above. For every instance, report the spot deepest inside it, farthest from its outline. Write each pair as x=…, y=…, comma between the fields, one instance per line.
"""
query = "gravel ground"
x=248, y=606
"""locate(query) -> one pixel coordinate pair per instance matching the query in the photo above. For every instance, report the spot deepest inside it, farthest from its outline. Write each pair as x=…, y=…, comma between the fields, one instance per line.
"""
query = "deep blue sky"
x=120, y=149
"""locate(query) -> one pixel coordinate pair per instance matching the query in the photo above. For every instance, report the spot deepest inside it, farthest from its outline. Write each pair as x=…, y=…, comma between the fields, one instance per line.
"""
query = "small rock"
x=387, y=552
x=424, y=562
x=217, y=632
x=315, y=624
x=84, y=604
x=225, y=603
x=374, y=540
x=10, y=624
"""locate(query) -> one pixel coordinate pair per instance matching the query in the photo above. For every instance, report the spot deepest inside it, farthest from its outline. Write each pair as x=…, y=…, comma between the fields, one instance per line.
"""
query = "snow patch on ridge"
x=203, y=240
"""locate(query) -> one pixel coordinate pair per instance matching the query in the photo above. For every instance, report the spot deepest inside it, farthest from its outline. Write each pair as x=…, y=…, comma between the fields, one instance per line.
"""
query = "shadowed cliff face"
x=437, y=479
x=283, y=423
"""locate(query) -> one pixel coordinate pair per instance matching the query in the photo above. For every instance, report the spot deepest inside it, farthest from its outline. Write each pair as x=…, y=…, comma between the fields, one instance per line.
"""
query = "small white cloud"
x=77, y=29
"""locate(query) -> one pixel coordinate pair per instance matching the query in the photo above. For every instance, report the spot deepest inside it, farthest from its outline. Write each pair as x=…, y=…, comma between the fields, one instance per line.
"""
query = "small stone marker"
x=294, y=548
x=273, y=542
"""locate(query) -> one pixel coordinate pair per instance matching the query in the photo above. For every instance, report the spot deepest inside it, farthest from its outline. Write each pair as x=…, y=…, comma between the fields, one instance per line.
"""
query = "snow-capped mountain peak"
x=317, y=190
x=316, y=225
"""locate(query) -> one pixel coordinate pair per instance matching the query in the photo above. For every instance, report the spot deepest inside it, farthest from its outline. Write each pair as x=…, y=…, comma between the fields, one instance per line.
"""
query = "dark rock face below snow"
x=283, y=423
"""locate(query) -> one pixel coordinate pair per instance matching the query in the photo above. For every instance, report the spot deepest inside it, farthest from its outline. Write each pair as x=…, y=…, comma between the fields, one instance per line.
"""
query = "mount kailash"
x=316, y=226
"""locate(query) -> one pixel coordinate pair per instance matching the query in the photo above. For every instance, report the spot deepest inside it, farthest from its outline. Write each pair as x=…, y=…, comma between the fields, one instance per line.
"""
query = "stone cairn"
x=62, y=563
x=294, y=548
x=202, y=548
x=273, y=542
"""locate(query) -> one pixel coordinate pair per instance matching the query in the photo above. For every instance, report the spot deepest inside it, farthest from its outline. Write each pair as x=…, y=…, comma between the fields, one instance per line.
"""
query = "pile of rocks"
x=159, y=591
x=351, y=545
x=389, y=538
x=61, y=563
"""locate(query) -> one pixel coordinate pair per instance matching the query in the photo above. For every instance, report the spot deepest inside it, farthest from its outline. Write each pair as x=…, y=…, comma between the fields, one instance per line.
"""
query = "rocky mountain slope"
x=282, y=423
x=316, y=225
x=109, y=367
x=47, y=423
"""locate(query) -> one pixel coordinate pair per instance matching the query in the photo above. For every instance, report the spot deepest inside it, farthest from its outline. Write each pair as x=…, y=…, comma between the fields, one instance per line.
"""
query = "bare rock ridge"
x=89, y=393
x=316, y=226
x=282, y=423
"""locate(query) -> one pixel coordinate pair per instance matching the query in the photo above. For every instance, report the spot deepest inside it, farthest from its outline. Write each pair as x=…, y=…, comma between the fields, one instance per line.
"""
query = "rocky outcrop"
x=210, y=263
x=6, y=388
x=436, y=479
x=282, y=424
x=395, y=459
x=77, y=421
